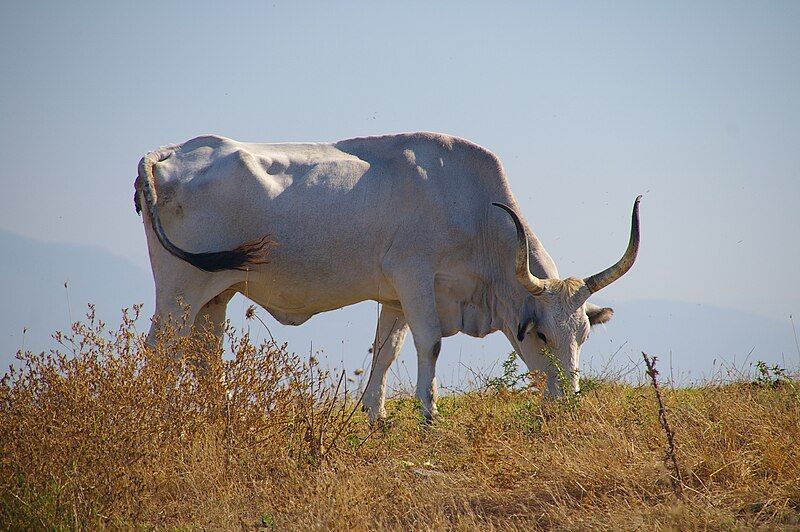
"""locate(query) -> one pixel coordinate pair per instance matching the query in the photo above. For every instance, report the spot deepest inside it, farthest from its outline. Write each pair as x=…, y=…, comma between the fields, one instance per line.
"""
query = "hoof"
x=382, y=424
x=375, y=420
x=428, y=417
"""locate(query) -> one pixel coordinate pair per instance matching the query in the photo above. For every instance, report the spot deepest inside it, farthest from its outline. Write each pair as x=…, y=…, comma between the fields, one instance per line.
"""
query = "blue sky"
x=692, y=104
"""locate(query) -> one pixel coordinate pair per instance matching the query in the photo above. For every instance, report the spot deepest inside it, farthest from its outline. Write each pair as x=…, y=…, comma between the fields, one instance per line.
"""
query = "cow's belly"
x=293, y=295
x=293, y=301
x=290, y=307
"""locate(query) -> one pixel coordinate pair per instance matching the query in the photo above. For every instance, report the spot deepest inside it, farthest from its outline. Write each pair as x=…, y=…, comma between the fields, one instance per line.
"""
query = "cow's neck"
x=504, y=301
x=505, y=296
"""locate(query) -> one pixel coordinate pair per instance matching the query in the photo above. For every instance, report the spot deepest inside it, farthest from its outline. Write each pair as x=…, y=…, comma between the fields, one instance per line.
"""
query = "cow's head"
x=555, y=315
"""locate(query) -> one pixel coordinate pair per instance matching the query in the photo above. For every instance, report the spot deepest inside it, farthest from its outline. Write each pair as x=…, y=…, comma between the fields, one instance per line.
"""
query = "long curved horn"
x=600, y=280
x=532, y=284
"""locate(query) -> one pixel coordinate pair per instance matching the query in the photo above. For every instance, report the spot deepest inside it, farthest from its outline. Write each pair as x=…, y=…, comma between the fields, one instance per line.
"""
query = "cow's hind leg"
x=174, y=316
x=416, y=292
x=389, y=337
x=209, y=324
x=182, y=294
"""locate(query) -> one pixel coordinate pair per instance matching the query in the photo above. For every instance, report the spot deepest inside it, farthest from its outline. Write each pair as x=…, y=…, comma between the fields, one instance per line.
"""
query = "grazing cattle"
x=423, y=223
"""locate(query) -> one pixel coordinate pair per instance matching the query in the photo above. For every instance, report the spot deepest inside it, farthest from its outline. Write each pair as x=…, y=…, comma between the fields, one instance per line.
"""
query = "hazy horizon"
x=694, y=341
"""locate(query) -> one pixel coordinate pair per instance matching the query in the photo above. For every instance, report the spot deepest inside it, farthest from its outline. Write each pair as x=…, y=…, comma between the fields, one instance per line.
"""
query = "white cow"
x=411, y=221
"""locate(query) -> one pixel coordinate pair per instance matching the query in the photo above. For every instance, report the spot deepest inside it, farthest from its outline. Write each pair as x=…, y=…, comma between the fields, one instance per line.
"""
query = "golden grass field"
x=107, y=434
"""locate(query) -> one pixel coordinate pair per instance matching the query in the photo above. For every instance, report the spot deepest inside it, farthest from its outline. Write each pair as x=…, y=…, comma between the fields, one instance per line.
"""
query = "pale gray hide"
x=406, y=220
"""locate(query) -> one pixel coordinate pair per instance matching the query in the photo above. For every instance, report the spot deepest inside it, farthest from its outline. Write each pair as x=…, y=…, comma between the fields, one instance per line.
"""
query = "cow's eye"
x=542, y=337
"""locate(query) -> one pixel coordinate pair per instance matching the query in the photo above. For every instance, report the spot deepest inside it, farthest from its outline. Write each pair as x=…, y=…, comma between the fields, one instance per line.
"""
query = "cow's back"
x=320, y=188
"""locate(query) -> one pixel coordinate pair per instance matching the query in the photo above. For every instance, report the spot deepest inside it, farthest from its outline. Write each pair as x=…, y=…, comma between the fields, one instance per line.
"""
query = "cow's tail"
x=242, y=257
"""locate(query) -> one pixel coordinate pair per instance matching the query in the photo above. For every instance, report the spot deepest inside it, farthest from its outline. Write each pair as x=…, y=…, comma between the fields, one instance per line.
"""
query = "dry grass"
x=110, y=434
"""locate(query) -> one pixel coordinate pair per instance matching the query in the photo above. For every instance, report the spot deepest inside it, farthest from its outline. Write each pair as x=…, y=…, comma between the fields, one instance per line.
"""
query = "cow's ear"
x=527, y=320
x=597, y=314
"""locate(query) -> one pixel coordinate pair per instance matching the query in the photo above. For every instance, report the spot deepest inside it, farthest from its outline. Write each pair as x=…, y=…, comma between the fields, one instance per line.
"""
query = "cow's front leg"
x=389, y=337
x=417, y=298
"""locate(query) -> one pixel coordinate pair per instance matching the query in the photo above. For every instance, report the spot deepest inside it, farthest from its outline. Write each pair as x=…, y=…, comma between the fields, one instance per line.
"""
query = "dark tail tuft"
x=240, y=258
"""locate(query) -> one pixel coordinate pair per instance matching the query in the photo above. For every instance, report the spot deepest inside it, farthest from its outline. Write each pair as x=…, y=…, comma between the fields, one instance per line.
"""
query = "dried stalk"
x=669, y=456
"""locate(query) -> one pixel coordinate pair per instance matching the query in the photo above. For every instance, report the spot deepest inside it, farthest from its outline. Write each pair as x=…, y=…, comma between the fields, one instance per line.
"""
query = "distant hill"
x=700, y=337
x=34, y=296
